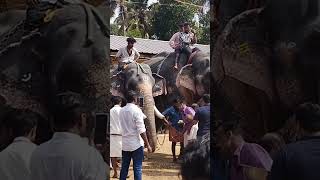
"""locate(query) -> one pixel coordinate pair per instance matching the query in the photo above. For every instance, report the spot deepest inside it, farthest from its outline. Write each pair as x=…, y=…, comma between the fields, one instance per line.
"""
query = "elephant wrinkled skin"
x=139, y=78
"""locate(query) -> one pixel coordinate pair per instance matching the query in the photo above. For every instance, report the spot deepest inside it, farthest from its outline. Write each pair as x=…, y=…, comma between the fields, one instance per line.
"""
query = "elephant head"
x=139, y=78
x=193, y=80
x=258, y=74
x=67, y=53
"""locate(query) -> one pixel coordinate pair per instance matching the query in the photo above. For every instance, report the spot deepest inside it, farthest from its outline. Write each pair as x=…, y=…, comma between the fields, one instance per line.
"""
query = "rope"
x=162, y=61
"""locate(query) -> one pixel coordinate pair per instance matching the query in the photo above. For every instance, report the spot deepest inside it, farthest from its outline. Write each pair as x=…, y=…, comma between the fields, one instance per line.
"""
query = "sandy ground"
x=159, y=165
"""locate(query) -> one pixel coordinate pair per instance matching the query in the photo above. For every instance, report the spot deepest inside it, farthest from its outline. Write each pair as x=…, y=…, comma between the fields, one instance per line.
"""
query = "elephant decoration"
x=139, y=78
x=68, y=52
x=257, y=74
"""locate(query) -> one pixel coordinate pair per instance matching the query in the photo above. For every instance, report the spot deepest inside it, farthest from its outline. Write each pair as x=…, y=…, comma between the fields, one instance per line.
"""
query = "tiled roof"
x=148, y=46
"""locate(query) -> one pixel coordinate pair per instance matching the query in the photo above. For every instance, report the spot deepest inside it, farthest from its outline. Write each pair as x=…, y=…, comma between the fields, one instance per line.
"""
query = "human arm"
x=160, y=116
x=194, y=39
x=171, y=41
x=137, y=54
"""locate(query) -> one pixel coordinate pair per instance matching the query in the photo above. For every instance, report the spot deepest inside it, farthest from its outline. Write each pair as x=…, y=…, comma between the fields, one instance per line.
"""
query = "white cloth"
x=125, y=57
x=15, y=160
x=186, y=37
x=115, y=126
x=67, y=156
x=132, y=125
x=115, y=130
x=115, y=146
x=192, y=136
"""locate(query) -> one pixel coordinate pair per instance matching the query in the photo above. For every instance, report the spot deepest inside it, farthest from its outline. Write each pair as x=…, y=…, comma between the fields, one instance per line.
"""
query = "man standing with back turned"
x=133, y=137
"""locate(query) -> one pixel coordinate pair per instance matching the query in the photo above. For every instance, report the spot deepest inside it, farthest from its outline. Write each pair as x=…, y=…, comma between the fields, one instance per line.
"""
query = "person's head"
x=186, y=27
x=227, y=134
x=177, y=103
x=308, y=117
x=22, y=123
x=204, y=100
x=272, y=143
x=131, y=42
x=196, y=160
x=132, y=97
x=117, y=100
x=72, y=115
x=180, y=27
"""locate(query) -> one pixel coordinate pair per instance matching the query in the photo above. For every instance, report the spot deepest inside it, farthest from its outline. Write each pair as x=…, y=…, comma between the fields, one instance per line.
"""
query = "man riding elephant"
x=186, y=38
x=127, y=55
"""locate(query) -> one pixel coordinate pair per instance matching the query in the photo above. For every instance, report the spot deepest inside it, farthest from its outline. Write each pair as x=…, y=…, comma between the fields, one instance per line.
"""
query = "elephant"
x=188, y=81
x=67, y=52
x=263, y=73
x=139, y=78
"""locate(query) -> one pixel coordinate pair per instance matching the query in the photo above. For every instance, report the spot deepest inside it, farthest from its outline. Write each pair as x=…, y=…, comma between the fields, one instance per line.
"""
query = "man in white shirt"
x=115, y=135
x=68, y=156
x=15, y=159
x=127, y=55
x=133, y=137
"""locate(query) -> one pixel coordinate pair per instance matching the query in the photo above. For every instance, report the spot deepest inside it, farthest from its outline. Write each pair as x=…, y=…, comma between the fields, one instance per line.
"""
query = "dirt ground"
x=159, y=165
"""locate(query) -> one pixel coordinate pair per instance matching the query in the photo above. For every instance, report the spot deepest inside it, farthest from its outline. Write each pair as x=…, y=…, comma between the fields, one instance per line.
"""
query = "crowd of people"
x=67, y=155
x=271, y=158
x=187, y=126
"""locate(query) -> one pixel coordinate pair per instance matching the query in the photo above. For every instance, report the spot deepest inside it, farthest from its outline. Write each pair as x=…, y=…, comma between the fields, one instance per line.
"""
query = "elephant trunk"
x=148, y=109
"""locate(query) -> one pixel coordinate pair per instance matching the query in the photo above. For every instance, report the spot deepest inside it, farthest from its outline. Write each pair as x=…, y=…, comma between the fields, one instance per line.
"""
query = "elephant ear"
x=117, y=88
x=185, y=78
x=242, y=53
x=160, y=86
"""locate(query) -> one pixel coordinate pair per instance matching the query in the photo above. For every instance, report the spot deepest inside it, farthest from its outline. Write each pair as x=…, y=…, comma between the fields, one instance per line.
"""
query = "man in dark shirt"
x=301, y=160
x=202, y=116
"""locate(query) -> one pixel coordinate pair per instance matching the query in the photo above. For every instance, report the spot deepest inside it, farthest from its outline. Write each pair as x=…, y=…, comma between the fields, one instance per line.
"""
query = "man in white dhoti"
x=115, y=135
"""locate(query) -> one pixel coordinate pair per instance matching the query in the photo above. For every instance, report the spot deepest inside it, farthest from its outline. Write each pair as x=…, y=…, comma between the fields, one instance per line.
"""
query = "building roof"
x=148, y=46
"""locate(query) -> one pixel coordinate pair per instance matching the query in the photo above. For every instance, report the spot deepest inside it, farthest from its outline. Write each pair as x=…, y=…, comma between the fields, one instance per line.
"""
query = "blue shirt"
x=174, y=117
x=203, y=116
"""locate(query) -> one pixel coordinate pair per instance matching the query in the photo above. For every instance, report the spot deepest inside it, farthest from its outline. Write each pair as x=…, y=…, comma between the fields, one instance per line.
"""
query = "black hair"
x=131, y=96
x=131, y=40
x=308, y=116
x=116, y=100
x=21, y=121
x=68, y=110
x=196, y=160
x=231, y=122
x=206, y=98
x=177, y=100
x=180, y=25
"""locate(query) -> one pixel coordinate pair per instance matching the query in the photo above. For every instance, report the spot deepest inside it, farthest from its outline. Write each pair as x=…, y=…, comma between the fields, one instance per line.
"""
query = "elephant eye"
x=26, y=77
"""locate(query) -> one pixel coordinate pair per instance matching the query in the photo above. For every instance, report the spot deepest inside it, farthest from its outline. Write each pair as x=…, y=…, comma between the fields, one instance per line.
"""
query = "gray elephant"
x=139, y=78
x=261, y=74
x=188, y=82
x=68, y=52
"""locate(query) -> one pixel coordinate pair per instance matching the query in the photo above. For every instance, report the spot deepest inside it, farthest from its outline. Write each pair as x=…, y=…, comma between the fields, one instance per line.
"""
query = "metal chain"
x=17, y=31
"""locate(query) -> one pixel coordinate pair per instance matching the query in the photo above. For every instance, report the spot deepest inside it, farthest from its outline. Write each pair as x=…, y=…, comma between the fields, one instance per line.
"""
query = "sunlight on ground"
x=159, y=165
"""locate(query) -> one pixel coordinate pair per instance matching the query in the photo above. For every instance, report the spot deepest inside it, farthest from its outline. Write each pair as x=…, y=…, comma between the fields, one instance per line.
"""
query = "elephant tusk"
x=157, y=113
x=26, y=77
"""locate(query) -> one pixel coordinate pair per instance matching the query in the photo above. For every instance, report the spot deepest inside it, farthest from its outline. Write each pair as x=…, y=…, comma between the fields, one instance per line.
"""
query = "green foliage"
x=166, y=19
x=160, y=19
